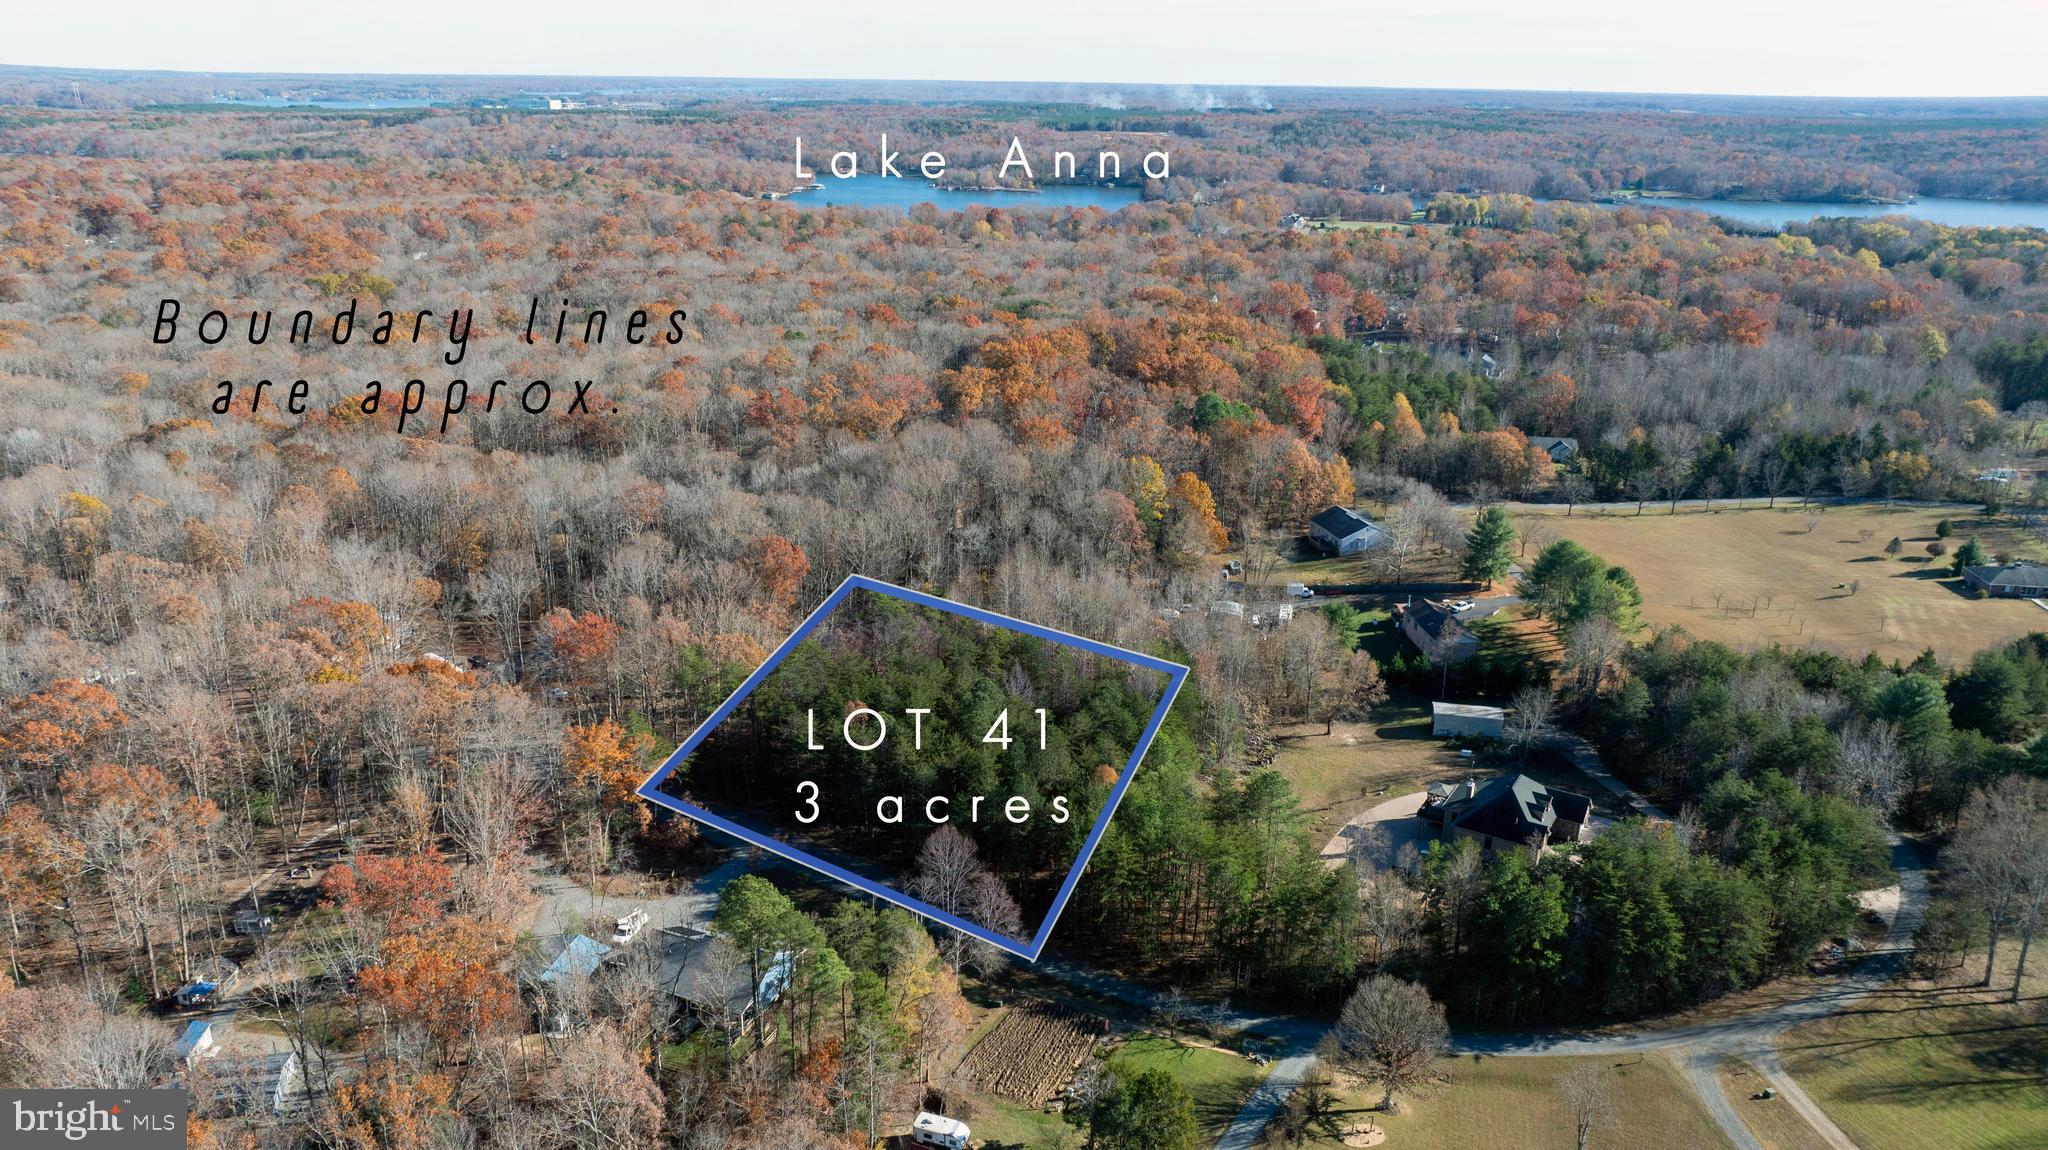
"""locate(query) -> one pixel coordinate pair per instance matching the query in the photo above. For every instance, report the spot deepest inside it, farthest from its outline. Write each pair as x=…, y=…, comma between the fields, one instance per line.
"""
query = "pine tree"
x=1489, y=547
x=1970, y=554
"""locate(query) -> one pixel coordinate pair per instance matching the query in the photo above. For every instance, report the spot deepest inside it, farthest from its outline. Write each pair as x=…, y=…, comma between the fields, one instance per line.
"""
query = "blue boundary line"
x=1028, y=951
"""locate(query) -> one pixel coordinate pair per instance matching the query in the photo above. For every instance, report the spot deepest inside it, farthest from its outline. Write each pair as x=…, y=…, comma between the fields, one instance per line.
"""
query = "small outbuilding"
x=196, y=1042
x=214, y=980
x=252, y=920
x=1466, y=721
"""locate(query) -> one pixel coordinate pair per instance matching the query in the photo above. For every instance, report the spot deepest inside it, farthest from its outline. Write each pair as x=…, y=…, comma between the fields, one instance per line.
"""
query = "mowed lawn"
x=1932, y=1069
x=1357, y=766
x=1001, y=1125
x=1219, y=1081
x=1514, y=1102
x=1756, y=577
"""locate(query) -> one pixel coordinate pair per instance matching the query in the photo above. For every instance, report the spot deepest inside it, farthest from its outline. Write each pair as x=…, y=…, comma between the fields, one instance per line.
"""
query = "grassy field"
x=1932, y=1068
x=1755, y=577
x=1220, y=1082
x=1000, y=1125
x=1514, y=1102
x=1357, y=766
x=1775, y=1124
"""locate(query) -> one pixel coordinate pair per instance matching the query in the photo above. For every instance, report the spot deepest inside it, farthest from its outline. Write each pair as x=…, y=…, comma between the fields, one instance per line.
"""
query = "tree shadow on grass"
x=1217, y=1103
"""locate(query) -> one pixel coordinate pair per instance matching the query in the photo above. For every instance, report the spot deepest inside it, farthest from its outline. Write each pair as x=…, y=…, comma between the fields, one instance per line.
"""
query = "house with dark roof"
x=1437, y=633
x=1558, y=447
x=2025, y=579
x=713, y=980
x=1506, y=811
x=1342, y=531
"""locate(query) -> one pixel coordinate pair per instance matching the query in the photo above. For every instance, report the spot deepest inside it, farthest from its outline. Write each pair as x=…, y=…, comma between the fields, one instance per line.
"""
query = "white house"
x=1342, y=531
x=1466, y=720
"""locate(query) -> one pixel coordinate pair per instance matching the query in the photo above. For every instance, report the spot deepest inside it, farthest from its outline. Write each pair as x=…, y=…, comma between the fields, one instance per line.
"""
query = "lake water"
x=871, y=191
x=1955, y=213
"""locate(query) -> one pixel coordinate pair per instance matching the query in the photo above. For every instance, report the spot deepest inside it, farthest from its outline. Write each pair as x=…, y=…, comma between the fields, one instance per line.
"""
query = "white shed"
x=1466, y=720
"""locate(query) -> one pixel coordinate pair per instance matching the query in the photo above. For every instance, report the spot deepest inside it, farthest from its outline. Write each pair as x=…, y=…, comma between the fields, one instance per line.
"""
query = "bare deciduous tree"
x=1587, y=1097
x=1530, y=718
x=1392, y=1033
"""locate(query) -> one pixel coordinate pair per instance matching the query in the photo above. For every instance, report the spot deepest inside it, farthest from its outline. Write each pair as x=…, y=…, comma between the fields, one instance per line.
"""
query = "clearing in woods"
x=1756, y=577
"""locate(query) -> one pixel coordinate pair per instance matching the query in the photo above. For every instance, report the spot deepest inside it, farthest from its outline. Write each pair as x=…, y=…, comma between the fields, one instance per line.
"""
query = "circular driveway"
x=1378, y=836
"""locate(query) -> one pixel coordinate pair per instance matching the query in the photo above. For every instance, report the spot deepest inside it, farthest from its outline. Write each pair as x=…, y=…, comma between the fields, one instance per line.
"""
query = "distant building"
x=2025, y=579
x=1466, y=720
x=1437, y=633
x=1558, y=447
x=1507, y=811
x=251, y=920
x=274, y=1084
x=1342, y=531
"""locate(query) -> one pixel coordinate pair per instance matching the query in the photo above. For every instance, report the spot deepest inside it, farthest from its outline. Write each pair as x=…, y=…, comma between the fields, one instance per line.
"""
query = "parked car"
x=1459, y=606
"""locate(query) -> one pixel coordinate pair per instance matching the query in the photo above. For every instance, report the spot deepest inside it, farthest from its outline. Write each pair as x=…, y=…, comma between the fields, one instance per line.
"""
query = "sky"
x=1758, y=47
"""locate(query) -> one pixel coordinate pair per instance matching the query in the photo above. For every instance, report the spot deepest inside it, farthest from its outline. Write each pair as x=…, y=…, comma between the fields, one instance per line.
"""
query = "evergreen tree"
x=1145, y=1110
x=1970, y=554
x=1488, y=545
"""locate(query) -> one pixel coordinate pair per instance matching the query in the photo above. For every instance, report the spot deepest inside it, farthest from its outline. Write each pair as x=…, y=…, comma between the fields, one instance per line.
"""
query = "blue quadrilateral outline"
x=1029, y=951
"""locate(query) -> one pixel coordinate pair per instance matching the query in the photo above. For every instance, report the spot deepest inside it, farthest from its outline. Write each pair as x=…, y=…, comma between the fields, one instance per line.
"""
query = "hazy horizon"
x=1830, y=49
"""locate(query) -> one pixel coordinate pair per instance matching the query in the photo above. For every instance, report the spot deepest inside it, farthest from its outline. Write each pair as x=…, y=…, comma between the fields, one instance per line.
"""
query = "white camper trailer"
x=938, y=1132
